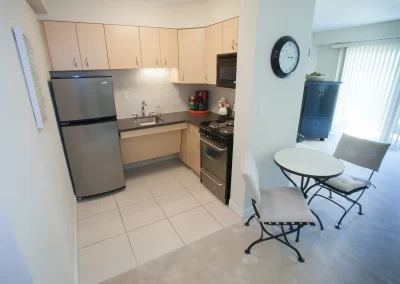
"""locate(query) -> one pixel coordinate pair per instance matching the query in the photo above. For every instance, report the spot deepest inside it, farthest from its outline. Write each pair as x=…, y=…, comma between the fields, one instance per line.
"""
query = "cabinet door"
x=315, y=128
x=123, y=46
x=194, y=151
x=169, y=48
x=150, y=46
x=328, y=101
x=191, y=56
x=312, y=95
x=230, y=35
x=213, y=46
x=184, y=154
x=92, y=44
x=63, y=45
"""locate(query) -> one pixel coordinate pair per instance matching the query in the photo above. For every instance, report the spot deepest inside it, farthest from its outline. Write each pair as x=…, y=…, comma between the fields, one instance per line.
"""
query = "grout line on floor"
x=168, y=219
x=126, y=232
x=98, y=214
x=103, y=240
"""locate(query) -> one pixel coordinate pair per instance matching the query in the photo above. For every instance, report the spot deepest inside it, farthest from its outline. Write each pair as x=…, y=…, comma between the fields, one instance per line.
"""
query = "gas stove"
x=216, y=139
x=219, y=131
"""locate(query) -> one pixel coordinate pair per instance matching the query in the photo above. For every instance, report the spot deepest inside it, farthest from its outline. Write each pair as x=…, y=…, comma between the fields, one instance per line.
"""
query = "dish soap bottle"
x=158, y=110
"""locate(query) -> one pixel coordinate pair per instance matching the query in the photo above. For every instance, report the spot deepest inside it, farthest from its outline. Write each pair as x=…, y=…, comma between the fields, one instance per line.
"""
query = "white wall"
x=141, y=13
x=362, y=33
x=35, y=189
x=257, y=86
x=328, y=57
x=312, y=59
x=154, y=86
x=328, y=61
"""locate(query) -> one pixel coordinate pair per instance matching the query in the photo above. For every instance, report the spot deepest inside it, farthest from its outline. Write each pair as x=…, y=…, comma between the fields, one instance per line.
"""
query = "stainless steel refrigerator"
x=87, y=118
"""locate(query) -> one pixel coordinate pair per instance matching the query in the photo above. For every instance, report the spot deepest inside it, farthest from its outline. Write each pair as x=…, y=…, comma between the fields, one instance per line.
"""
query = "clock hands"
x=288, y=55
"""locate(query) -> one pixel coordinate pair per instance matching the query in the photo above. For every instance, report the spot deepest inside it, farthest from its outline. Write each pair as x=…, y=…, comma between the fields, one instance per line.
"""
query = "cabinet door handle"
x=183, y=77
x=76, y=65
x=233, y=44
x=165, y=61
x=87, y=62
x=206, y=77
x=137, y=62
x=156, y=60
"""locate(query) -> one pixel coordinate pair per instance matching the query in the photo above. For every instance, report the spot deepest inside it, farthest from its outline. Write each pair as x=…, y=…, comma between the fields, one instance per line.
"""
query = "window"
x=369, y=99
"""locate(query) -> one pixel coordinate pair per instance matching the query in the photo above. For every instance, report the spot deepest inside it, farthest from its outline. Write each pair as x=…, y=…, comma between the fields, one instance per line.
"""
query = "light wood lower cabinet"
x=192, y=148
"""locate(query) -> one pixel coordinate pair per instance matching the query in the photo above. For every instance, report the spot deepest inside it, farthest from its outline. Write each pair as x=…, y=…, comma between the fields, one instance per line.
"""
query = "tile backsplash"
x=154, y=86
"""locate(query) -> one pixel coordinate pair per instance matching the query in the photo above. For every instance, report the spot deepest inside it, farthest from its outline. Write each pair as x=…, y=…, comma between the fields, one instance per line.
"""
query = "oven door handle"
x=212, y=145
x=217, y=183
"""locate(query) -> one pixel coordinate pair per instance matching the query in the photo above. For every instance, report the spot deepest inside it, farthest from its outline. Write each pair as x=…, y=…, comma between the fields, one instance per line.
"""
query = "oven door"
x=213, y=167
x=214, y=158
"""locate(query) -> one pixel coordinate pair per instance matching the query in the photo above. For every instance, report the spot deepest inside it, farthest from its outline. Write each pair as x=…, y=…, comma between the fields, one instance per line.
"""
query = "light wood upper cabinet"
x=213, y=46
x=92, y=44
x=169, y=48
x=150, y=46
x=191, y=55
x=123, y=46
x=63, y=45
x=230, y=35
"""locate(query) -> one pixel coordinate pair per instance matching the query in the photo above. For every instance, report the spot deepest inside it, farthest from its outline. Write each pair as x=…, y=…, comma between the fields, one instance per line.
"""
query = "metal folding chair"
x=363, y=153
x=275, y=206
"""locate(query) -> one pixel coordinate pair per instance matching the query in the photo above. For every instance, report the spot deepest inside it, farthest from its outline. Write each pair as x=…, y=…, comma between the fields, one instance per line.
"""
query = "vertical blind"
x=369, y=99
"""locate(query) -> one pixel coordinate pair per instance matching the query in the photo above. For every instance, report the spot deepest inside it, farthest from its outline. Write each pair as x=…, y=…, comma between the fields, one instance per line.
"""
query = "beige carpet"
x=365, y=250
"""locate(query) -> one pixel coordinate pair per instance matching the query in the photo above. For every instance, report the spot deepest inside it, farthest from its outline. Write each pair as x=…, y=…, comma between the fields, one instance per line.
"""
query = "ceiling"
x=337, y=14
x=329, y=14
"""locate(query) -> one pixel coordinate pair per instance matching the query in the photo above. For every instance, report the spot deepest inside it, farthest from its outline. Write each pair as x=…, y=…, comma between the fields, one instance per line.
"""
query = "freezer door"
x=94, y=157
x=84, y=98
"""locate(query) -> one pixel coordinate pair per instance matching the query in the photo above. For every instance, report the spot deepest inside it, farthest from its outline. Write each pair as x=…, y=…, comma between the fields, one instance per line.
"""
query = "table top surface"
x=308, y=163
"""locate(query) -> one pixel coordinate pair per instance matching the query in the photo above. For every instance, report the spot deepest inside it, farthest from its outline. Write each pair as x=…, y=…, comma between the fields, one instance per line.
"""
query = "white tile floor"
x=163, y=208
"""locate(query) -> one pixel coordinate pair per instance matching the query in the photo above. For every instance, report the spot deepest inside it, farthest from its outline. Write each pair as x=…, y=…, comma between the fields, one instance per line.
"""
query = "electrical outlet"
x=124, y=96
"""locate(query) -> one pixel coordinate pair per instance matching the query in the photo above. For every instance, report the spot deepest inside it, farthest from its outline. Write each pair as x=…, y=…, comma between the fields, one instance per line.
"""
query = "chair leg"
x=284, y=235
x=319, y=220
x=248, y=221
x=347, y=211
x=315, y=194
x=298, y=234
x=359, y=205
x=276, y=237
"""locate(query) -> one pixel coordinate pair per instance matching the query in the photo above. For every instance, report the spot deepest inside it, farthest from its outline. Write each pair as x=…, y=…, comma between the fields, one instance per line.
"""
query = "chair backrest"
x=250, y=175
x=361, y=152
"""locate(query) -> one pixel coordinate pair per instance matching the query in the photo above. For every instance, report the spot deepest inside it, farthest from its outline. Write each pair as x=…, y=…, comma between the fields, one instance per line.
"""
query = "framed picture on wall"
x=27, y=56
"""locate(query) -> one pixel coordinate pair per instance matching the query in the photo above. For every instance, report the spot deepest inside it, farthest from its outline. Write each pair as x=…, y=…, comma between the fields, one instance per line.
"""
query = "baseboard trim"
x=151, y=161
x=76, y=247
x=243, y=213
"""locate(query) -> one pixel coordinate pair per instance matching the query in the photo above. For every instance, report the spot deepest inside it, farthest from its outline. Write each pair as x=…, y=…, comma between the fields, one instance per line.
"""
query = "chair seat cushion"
x=347, y=183
x=284, y=204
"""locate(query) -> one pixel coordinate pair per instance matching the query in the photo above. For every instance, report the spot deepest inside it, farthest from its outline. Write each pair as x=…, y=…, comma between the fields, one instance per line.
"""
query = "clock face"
x=288, y=57
x=285, y=57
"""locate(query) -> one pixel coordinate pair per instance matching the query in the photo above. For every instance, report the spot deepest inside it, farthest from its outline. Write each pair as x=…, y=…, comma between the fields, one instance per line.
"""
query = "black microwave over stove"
x=226, y=70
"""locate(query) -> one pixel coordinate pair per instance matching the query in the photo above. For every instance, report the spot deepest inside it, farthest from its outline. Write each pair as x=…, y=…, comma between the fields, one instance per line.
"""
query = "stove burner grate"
x=216, y=124
x=227, y=130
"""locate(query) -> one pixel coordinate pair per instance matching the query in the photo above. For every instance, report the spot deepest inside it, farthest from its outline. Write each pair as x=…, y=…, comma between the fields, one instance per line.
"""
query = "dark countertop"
x=128, y=124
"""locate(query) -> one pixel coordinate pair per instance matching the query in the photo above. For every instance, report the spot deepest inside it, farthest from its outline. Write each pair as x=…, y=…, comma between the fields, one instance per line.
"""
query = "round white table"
x=308, y=164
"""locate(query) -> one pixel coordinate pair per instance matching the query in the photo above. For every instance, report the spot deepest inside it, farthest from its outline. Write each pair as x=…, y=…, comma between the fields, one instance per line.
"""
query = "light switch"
x=260, y=110
x=124, y=96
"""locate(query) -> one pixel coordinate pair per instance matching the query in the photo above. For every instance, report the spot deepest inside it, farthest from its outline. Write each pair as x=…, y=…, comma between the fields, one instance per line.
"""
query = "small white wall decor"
x=27, y=56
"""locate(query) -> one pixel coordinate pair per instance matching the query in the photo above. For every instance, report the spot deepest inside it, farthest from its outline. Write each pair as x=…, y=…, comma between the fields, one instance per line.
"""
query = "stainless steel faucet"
x=143, y=110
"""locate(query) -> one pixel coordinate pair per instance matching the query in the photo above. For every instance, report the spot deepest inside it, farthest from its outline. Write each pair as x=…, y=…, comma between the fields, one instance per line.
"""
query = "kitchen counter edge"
x=127, y=124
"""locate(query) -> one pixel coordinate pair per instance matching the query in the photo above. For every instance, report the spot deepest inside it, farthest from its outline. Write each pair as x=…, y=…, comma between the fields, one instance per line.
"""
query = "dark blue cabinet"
x=318, y=108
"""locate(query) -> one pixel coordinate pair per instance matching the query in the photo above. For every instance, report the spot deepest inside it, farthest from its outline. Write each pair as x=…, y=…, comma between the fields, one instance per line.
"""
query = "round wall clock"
x=285, y=56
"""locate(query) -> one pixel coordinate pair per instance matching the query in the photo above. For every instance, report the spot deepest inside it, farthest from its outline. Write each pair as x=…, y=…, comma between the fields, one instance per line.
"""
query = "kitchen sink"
x=148, y=120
